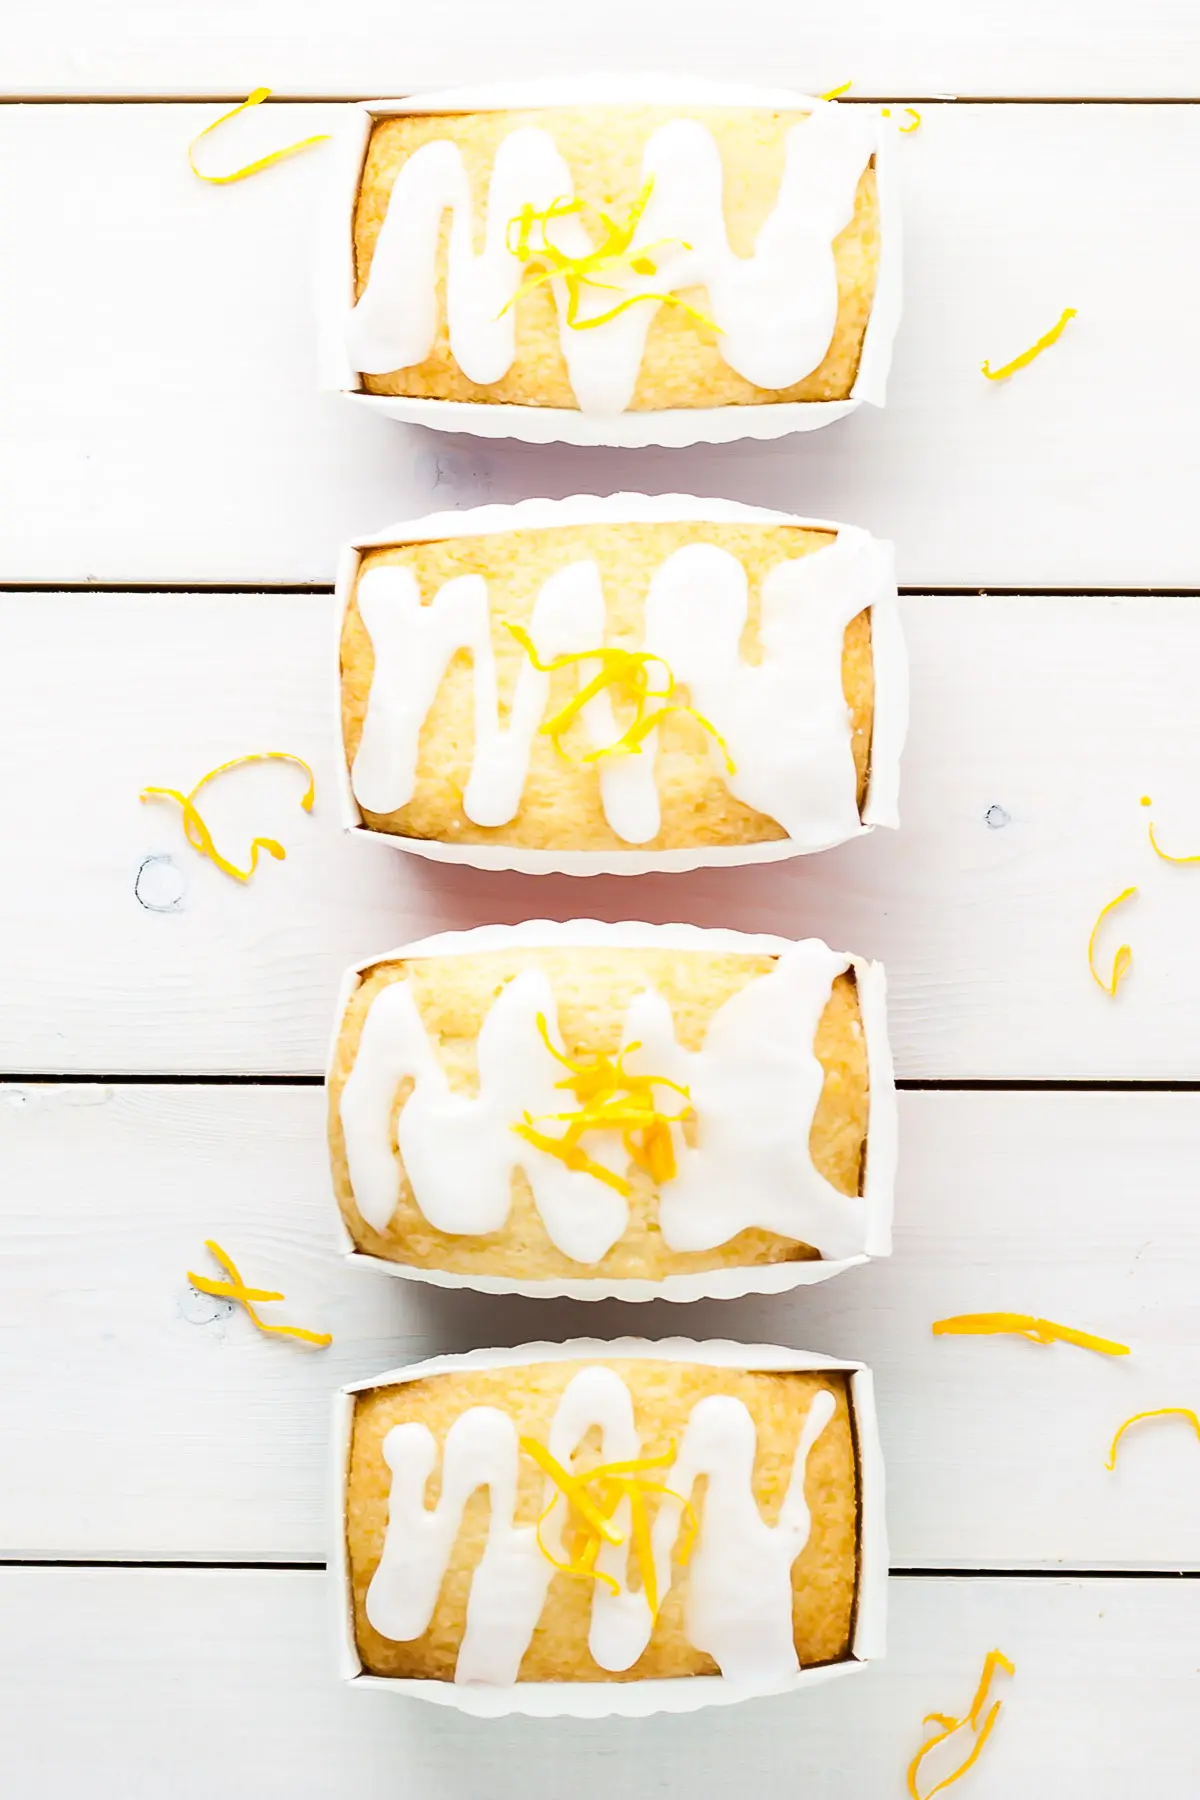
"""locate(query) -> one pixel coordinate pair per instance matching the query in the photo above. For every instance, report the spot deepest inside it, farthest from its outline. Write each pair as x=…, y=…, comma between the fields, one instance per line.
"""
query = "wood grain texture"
x=194, y=1437
x=157, y=357
x=1059, y=712
x=1102, y=1704
x=1061, y=48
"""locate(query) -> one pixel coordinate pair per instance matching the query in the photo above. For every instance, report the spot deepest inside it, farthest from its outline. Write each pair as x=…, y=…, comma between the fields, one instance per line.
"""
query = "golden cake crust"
x=592, y=989
x=603, y=145
x=824, y=1576
x=560, y=806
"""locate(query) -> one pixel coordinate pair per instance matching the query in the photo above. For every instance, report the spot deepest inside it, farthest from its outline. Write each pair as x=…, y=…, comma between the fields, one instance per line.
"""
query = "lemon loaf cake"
x=604, y=1519
x=650, y=685
x=616, y=257
x=609, y=1102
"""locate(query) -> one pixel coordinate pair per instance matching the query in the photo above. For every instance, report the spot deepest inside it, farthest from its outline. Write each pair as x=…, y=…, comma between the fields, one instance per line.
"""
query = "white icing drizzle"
x=755, y=1084
x=509, y=1585
x=784, y=718
x=776, y=309
x=459, y=1151
x=739, y=1589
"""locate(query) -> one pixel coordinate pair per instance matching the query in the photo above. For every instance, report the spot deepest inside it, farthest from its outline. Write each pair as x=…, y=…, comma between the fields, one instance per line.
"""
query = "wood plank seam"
x=280, y=97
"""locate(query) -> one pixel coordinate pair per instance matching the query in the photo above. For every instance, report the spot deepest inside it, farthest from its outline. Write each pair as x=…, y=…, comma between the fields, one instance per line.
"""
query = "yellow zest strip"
x=582, y=1565
x=575, y=1488
x=836, y=93
x=640, y=1533
x=197, y=832
x=948, y=1726
x=1027, y=356
x=1157, y=847
x=1121, y=960
x=264, y=162
x=616, y=1481
x=614, y=1471
x=611, y=255
x=611, y=1100
x=634, y=737
x=693, y=312
x=1159, y=1412
x=1038, y=1331
x=905, y=130
x=236, y=1289
x=626, y=671
x=572, y=1156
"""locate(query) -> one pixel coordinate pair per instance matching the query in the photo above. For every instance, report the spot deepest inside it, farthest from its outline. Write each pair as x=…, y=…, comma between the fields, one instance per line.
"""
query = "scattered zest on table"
x=236, y=1289
x=947, y=1726
x=264, y=162
x=1027, y=356
x=626, y=672
x=611, y=255
x=1121, y=960
x=594, y=1498
x=197, y=832
x=1158, y=1412
x=1157, y=847
x=611, y=1100
x=906, y=130
x=1038, y=1331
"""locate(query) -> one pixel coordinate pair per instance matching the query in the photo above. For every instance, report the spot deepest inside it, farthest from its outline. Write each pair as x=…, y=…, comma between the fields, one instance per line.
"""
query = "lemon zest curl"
x=1121, y=960
x=1158, y=1412
x=611, y=256
x=906, y=130
x=1038, y=1331
x=252, y=168
x=236, y=1289
x=627, y=673
x=1027, y=356
x=1157, y=847
x=611, y=1100
x=615, y=1481
x=949, y=1725
x=196, y=831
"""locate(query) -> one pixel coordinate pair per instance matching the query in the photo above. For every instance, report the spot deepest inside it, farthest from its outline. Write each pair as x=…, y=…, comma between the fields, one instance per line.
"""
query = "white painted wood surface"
x=157, y=361
x=198, y=1681
x=1062, y=712
x=202, y=1440
x=160, y=427
x=1059, y=48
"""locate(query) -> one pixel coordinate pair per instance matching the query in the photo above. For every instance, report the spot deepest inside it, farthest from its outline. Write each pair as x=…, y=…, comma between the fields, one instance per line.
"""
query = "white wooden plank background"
x=222, y=1679
x=160, y=428
x=203, y=1440
x=1057, y=47
x=1062, y=712
x=156, y=353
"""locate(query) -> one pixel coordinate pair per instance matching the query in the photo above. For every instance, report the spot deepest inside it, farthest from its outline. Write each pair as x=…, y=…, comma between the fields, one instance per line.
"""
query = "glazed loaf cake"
x=652, y=685
x=608, y=1108
x=728, y=1509
x=616, y=257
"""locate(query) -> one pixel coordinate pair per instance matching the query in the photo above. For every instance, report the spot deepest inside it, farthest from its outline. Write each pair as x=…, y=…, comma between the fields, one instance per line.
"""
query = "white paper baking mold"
x=889, y=657
x=630, y=1699
x=673, y=427
x=879, y=1175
